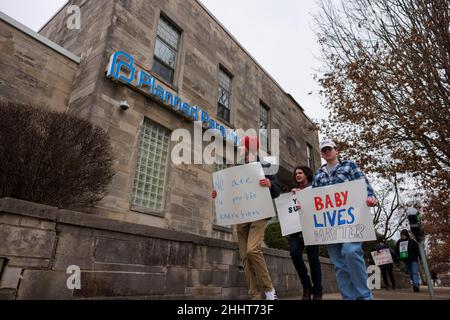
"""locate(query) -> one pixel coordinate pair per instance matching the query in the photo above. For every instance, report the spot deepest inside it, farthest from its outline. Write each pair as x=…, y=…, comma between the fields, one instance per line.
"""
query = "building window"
x=166, y=49
x=223, y=108
x=264, y=125
x=149, y=181
x=309, y=156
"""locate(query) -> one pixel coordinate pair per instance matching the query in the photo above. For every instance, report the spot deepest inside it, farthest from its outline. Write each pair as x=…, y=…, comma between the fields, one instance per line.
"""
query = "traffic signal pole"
x=426, y=269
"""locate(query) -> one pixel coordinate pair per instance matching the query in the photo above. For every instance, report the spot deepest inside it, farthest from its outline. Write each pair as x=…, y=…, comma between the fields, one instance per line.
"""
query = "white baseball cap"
x=327, y=143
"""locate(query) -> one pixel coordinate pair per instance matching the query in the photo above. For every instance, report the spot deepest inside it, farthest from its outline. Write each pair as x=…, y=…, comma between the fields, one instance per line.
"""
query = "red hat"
x=251, y=140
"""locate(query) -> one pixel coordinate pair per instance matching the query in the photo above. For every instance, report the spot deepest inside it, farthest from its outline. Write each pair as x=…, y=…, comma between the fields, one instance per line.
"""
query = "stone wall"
x=444, y=280
x=32, y=72
x=123, y=260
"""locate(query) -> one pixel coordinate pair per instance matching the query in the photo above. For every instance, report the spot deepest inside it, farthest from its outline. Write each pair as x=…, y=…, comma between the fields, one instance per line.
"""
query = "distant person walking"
x=387, y=269
x=435, y=278
x=407, y=250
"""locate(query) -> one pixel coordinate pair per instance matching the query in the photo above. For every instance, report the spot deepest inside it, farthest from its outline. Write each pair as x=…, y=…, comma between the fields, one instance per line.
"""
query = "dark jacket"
x=275, y=189
x=413, y=250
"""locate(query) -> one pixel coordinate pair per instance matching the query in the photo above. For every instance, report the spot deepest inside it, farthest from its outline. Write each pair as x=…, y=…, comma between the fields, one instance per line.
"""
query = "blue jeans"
x=413, y=270
x=351, y=273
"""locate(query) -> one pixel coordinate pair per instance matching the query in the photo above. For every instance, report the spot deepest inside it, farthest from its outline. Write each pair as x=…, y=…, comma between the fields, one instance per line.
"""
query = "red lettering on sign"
x=328, y=203
x=318, y=203
x=345, y=196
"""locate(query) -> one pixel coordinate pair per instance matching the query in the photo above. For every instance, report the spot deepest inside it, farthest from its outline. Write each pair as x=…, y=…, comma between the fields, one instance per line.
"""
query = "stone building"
x=169, y=62
x=192, y=56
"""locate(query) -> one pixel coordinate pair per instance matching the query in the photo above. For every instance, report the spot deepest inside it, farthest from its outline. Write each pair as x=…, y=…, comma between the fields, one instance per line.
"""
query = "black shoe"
x=317, y=296
x=416, y=289
x=387, y=288
x=307, y=294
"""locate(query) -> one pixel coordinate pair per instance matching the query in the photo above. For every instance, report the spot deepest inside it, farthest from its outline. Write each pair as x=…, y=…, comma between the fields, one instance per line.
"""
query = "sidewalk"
x=441, y=293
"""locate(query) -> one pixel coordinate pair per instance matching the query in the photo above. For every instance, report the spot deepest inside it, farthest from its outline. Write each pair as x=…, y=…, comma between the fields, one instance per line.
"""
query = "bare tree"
x=386, y=85
x=390, y=212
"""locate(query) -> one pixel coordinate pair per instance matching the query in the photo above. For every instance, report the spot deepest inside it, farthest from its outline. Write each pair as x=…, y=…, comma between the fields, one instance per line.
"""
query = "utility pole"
x=414, y=224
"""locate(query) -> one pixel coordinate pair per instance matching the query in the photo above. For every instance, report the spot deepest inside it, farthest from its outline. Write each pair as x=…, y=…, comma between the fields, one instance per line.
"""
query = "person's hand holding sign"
x=371, y=201
x=265, y=183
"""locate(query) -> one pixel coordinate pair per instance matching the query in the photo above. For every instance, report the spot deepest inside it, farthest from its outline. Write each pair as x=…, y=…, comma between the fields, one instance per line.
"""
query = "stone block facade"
x=32, y=72
x=122, y=260
x=205, y=47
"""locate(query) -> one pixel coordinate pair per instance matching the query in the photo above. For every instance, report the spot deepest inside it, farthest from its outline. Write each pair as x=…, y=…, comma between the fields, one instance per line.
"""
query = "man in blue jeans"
x=348, y=258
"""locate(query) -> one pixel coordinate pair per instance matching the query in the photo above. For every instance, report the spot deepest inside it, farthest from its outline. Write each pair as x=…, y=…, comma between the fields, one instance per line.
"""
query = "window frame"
x=136, y=207
x=310, y=156
x=227, y=73
x=177, y=51
x=263, y=105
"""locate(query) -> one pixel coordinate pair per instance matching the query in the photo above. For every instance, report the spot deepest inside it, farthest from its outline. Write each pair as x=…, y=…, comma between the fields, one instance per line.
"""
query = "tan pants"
x=250, y=238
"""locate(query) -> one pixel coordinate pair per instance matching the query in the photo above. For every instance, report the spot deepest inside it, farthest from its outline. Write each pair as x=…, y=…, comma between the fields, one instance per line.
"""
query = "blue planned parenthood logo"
x=122, y=68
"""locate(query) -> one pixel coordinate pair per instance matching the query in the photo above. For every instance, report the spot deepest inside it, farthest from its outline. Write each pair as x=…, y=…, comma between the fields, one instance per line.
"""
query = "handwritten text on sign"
x=288, y=214
x=382, y=257
x=336, y=214
x=240, y=198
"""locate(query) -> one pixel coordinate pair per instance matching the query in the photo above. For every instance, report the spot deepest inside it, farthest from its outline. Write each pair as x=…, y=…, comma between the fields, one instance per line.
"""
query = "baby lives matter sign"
x=288, y=214
x=240, y=198
x=336, y=214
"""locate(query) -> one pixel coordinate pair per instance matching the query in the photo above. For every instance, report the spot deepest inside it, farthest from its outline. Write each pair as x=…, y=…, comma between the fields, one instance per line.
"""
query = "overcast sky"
x=278, y=34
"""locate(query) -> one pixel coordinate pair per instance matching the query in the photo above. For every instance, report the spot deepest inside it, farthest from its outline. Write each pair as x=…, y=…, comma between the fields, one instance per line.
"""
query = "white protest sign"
x=382, y=257
x=336, y=214
x=288, y=214
x=403, y=249
x=240, y=198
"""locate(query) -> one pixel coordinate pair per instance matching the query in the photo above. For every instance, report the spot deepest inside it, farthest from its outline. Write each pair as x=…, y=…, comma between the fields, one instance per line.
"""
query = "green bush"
x=273, y=237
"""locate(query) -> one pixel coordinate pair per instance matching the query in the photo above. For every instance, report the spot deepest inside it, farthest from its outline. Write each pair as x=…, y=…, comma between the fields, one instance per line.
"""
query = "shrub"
x=52, y=158
x=273, y=237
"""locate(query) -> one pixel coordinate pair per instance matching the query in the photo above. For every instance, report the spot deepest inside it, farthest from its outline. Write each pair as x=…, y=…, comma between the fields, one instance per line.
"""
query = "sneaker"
x=416, y=289
x=271, y=295
x=255, y=297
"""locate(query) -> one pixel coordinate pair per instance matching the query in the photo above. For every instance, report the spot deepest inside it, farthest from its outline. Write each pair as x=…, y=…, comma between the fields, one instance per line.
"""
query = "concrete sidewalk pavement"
x=440, y=293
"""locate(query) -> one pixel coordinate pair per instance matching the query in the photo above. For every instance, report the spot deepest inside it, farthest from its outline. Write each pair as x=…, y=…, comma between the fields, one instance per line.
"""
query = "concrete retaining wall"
x=123, y=260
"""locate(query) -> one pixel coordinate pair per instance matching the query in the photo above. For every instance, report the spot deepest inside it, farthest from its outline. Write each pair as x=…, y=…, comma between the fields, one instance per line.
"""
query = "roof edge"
x=50, y=44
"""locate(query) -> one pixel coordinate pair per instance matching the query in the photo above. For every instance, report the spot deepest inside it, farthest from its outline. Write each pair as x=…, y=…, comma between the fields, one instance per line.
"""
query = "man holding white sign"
x=341, y=219
x=244, y=197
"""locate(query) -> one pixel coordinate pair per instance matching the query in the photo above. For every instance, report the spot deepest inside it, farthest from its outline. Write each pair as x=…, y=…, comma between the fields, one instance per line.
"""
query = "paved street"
x=400, y=294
